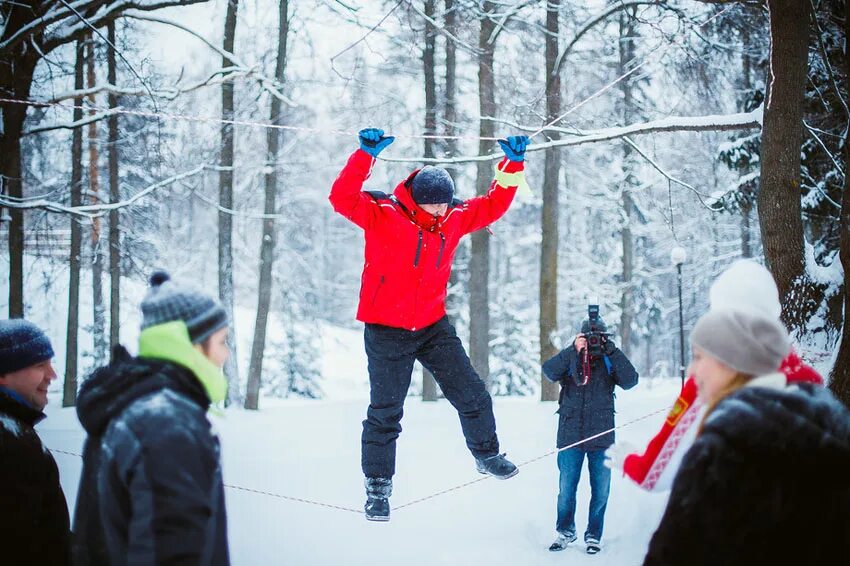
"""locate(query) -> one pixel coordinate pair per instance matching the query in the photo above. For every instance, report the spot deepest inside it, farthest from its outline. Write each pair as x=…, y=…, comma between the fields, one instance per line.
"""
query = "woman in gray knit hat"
x=770, y=460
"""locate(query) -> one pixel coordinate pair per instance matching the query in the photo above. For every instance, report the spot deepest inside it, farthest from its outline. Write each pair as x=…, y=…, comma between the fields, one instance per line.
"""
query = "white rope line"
x=209, y=119
x=251, y=490
x=525, y=463
x=420, y=500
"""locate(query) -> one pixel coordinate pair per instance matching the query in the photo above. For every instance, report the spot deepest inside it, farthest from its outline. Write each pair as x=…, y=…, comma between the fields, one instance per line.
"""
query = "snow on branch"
x=442, y=30
x=73, y=125
x=268, y=83
x=215, y=78
x=562, y=56
x=712, y=123
x=97, y=210
x=98, y=13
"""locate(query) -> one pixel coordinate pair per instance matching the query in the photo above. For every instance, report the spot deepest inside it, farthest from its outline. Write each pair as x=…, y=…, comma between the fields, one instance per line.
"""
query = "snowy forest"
x=202, y=137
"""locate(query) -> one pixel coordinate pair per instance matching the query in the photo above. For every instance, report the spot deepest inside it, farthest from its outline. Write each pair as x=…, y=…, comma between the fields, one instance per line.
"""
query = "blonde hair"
x=736, y=383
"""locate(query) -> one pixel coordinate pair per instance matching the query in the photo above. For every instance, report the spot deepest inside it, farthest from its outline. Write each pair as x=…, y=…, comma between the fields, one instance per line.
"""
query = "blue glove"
x=373, y=141
x=514, y=147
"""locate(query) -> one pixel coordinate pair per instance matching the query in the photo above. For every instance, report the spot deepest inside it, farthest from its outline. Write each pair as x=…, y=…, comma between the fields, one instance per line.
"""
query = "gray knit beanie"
x=167, y=302
x=746, y=341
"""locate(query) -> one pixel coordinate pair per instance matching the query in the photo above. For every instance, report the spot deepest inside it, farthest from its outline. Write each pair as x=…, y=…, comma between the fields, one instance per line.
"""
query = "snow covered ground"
x=311, y=450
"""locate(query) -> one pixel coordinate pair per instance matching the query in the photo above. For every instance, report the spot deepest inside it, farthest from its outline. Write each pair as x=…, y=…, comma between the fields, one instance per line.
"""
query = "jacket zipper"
x=418, y=249
x=442, y=245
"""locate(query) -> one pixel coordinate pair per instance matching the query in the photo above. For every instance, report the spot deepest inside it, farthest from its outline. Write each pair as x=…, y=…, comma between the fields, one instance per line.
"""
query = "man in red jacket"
x=411, y=238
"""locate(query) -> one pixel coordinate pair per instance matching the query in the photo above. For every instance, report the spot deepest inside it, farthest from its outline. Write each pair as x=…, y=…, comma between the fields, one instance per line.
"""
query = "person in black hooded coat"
x=151, y=489
x=767, y=480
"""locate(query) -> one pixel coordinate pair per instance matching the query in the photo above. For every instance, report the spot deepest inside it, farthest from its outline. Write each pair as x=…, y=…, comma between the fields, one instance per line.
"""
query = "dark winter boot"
x=497, y=466
x=563, y=540
x=378, y=491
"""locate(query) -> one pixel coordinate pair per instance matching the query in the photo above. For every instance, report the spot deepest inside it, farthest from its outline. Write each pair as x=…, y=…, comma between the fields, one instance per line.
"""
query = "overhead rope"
x=213, y=120
x=421, y=499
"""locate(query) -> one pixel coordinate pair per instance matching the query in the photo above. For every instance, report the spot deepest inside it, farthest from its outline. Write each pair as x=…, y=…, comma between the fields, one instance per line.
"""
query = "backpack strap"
x=608, y=365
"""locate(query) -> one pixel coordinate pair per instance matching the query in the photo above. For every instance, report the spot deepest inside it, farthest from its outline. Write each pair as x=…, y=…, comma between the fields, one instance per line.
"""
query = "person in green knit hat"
x=151, y=489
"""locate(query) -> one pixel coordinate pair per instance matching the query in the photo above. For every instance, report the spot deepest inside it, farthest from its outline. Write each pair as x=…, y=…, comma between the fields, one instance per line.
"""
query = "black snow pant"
x=391, y=353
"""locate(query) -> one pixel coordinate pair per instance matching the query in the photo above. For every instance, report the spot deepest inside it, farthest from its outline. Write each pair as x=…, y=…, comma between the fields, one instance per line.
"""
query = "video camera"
x=596, y=334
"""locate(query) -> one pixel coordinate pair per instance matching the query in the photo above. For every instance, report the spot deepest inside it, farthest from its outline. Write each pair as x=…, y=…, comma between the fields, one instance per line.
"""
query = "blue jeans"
x=569, y=464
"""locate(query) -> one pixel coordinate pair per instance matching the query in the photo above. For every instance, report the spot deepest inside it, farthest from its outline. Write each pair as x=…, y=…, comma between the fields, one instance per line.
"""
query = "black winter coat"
x=766, y=482
x=585, y=410
x=151, y=490
x=34, y=525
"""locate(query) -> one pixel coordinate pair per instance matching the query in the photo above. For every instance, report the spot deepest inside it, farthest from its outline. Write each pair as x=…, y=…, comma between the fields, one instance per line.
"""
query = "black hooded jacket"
x=766, y=482
x=33, y=513
x=150, y=490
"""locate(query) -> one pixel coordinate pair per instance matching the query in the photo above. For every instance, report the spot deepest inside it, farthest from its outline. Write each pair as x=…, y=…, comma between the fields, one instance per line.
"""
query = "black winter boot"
x=378, y=491
x=497, y=466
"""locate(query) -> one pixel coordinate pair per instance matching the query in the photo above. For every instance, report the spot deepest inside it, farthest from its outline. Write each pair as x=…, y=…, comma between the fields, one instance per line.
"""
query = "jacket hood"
x=110, y=389
x=801, y=430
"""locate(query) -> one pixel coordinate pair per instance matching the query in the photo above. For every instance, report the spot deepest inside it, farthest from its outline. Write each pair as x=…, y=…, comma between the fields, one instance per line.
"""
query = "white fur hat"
x=746, y=286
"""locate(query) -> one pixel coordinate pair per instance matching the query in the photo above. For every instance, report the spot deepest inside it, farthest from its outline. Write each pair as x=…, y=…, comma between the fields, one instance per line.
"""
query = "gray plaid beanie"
x=746, y=341
x=22, y=344
x=167, y=302
x=433, y=185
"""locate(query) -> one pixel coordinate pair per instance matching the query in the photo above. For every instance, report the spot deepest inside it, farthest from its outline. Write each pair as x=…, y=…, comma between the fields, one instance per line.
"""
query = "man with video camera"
x=588, y=369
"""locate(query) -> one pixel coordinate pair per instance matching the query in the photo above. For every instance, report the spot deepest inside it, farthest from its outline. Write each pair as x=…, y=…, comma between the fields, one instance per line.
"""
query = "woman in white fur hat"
x=744, y=285
x=770, y=461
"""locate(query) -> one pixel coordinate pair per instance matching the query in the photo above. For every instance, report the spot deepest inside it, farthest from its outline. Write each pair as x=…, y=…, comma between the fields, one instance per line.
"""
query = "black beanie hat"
x=433, y=185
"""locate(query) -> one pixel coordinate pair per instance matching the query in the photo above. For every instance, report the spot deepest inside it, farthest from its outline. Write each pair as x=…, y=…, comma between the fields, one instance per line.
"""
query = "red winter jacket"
x=409, y=252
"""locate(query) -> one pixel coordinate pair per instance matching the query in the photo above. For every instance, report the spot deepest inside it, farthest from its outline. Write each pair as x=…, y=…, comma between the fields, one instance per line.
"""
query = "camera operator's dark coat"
x=588, y=409
x=34, y=525
x=766, y=482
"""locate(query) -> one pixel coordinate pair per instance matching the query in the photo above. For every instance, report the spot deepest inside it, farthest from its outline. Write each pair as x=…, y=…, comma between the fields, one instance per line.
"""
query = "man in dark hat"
x=411, y=238
x=588, y=370
x=34, y=525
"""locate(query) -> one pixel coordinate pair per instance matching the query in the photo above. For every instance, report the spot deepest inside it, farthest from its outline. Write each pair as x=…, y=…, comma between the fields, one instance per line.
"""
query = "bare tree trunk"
x=779, y=204
x=746, y=229
x=267, y=246
x=429, y=385
x=746, y=203
x=627, y=55
x=839, y=381
x=450, y=111
x=225, y=200
x=69, y=394
x=114, y=196
x=99, y=318
x=16, y=76
x=479, y=262
x=549, y=223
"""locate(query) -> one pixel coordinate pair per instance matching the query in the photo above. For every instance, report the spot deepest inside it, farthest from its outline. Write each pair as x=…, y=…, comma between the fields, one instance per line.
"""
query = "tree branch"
x=714, y=123
x=270, y=85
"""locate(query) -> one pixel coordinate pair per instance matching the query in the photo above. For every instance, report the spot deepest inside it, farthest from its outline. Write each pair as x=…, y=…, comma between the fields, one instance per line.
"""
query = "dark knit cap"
x=22, y=344
x=166, y=302
x=433, y=185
